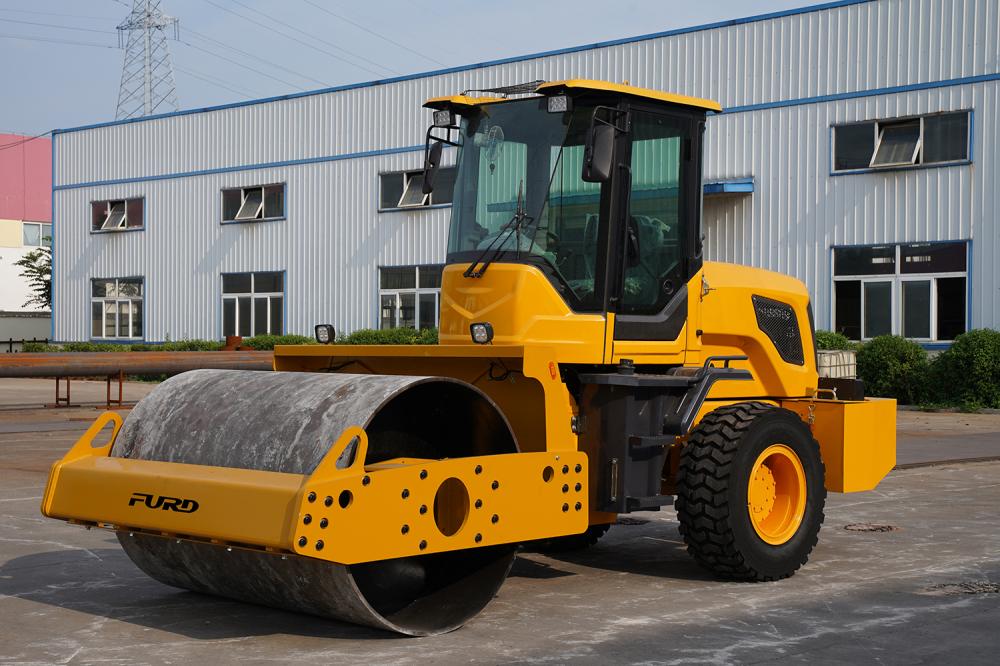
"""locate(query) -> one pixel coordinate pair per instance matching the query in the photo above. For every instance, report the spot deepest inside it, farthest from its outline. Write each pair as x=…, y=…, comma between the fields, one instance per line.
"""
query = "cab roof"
x=570, y=86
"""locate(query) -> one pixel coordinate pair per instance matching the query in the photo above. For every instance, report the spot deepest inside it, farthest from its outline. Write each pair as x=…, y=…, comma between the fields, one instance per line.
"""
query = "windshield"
x=519, y=194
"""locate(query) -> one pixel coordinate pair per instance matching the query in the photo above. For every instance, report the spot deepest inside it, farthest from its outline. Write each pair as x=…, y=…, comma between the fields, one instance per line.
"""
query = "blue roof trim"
x=981, y=78
x=248, y=167
x=488, y=63
x=735, y=186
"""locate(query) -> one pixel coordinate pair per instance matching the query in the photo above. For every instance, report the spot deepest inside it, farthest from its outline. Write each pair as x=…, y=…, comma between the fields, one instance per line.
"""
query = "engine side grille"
x=779, y=323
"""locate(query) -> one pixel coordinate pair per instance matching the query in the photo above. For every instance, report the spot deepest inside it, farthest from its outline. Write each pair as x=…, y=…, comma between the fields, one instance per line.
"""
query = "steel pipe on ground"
x=104, y=364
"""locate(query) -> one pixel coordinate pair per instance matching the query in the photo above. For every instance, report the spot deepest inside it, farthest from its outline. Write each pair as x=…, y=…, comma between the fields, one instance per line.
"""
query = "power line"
x=58, y=41
x=203, y=50
x=207, y=78
x=255, y=57
x=71, y=42
x=59, y=14
x=271, y=28
x=372, y=32
x=55, y=25
x=240, y=64
x=312, y=36
x=23, y=140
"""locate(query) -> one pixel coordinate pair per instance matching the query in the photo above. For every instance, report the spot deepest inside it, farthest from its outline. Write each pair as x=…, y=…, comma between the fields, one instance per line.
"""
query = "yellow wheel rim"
x=776, y=494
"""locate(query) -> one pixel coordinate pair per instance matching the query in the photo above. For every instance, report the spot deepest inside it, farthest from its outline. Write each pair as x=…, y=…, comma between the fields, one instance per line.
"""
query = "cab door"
x=652, y=297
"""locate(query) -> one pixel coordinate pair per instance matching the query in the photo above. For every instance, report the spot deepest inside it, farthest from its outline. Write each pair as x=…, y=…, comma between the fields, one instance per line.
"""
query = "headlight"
x=444, y=118
x=482, y=333
x=325, y=334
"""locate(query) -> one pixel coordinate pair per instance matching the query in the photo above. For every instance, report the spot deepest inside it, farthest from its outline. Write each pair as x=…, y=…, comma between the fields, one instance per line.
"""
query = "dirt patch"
x=965, y=587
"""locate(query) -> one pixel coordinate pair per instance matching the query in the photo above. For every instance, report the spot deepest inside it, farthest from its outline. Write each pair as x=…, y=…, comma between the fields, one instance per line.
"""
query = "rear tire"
x=725, y=468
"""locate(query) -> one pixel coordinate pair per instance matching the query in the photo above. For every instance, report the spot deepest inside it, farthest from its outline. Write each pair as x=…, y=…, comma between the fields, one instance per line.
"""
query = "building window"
x=36, y=234
x=932, y=139
x=253, y=304
x=116, y=214
x=247, y=204
x=409, y=296
x=916, y=290
x=116, y=308
x=405, y=189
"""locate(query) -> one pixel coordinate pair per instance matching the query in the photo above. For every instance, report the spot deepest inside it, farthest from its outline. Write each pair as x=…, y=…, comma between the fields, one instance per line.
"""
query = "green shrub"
x=267, y=342
x=179, y=345
x=184, y=345
x=391, y=336
x=832, y=340
x=893, y=367
x=94, y=347
x=968, y=373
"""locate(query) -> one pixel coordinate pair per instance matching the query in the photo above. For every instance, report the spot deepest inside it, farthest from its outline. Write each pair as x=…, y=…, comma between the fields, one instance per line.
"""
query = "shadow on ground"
x=104, y=583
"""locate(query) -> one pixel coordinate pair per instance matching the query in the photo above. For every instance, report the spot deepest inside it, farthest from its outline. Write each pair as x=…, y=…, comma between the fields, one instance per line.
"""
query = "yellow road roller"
x=591, y=363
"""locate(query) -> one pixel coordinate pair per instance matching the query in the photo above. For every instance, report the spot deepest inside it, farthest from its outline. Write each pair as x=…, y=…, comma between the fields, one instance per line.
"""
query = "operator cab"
x=596, y=184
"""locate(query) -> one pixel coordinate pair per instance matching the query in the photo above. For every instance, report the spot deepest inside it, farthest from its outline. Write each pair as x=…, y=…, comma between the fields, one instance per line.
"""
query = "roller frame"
x=267, y=510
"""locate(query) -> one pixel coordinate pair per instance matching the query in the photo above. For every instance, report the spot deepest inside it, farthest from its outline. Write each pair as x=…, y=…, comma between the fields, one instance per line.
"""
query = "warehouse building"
x=857, y=150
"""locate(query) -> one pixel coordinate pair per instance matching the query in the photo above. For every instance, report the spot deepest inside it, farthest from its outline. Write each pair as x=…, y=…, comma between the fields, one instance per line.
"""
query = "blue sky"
x=66, y=76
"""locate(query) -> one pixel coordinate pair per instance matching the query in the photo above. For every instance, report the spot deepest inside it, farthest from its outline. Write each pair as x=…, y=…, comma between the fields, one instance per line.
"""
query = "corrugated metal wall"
x=334, y=237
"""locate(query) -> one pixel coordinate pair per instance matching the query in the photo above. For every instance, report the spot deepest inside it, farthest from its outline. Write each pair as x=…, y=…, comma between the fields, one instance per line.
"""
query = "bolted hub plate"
x=406, y=507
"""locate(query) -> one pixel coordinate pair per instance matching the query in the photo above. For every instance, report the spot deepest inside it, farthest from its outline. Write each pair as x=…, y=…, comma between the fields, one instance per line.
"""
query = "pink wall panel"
x=25, y=178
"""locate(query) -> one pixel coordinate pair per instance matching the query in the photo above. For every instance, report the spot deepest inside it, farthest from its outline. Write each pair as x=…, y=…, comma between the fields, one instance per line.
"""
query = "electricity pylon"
x=147, y=85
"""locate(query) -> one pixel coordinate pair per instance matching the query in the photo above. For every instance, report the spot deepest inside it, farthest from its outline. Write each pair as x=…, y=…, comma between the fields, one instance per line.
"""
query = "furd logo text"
x=163, y=502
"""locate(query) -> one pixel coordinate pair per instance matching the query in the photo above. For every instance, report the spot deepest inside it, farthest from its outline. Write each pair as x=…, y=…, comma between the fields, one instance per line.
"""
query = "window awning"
x=735, y=186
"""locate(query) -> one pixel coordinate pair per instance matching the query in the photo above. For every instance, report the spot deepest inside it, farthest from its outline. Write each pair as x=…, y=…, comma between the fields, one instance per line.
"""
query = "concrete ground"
x=927, y=591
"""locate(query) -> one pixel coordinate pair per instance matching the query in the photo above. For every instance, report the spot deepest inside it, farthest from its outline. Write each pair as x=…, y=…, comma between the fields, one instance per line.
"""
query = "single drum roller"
x=590, y=363
x=287, y=422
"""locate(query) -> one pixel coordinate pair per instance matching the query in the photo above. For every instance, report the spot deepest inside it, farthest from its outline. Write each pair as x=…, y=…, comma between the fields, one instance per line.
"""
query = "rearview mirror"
x=598, y=153
x=432, y=159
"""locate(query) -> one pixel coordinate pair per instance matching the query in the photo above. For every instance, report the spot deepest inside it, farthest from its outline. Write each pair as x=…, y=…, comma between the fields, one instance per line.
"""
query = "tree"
x=37, y=270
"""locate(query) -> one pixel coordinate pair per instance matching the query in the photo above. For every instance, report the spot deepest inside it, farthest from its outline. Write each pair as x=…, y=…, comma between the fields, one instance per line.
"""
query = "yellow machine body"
x=535, y=335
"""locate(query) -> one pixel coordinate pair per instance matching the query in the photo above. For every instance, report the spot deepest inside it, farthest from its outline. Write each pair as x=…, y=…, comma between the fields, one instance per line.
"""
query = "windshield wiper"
x=513, y=226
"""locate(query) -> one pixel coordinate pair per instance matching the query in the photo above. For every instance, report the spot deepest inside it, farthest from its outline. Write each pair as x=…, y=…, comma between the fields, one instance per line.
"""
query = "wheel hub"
x=776, y=494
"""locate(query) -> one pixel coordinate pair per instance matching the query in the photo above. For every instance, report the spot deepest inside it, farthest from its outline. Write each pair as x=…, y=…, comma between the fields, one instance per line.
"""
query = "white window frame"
x=41, y=233
x=897, y=279
x=252, y=295
x=932, y=310
x=118, y=300
x=417, y=291
x=110, y=210
x=244, y=212
x=259, y=211
x=409, y=180
x=917, y=146
x=892, y=304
